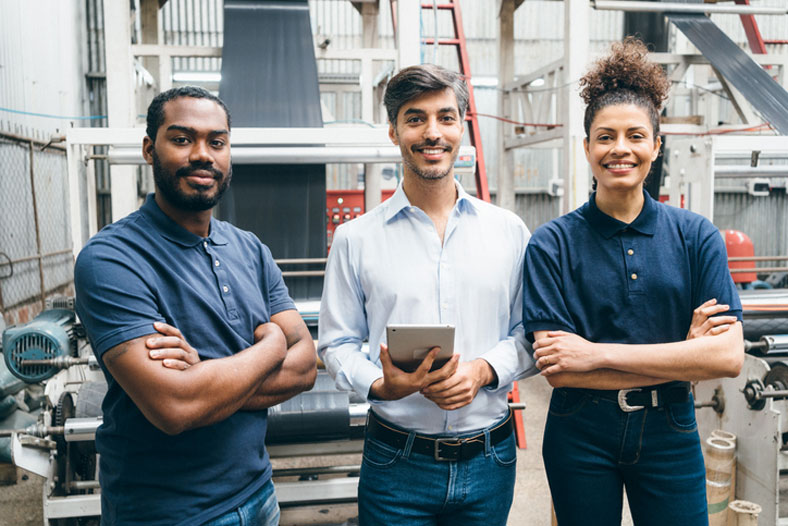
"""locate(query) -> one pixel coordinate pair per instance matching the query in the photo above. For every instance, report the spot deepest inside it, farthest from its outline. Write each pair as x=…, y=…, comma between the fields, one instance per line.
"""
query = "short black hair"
x=414, y=81
x=156, y=109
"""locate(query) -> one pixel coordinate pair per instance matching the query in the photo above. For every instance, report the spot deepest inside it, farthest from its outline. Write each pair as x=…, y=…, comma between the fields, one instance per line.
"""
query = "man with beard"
x=439, y=447
x=193, y=327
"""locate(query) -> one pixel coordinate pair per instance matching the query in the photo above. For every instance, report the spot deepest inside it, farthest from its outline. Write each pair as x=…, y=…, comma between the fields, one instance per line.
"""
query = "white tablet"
x=410, y=344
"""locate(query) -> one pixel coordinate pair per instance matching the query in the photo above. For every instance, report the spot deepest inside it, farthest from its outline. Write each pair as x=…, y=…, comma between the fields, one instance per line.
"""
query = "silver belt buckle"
x=438, y=442
x=622, y=400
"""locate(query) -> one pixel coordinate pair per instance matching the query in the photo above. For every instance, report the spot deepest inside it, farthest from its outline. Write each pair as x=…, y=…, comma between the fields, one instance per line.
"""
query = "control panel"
x=344, y=205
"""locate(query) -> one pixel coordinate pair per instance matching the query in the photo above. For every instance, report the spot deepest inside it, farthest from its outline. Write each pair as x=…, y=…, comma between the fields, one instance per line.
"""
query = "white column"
x=408, y=37
x=120, y=99
x=369, y=14
x=576, y=42
x=505, y=173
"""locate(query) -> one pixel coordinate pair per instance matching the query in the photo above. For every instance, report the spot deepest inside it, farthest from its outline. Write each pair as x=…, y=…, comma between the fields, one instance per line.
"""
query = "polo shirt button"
x=205, y=244
x=227, y=289
x=216, y=262
x=634, y=276
x=630, y=251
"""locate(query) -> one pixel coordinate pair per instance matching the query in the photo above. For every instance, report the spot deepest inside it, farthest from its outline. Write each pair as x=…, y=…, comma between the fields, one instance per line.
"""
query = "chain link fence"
x=35, y=236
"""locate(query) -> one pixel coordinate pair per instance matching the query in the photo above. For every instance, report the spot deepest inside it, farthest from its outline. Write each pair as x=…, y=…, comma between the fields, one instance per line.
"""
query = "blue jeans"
x=399, y=487
x=592, y=448
x=261, y=509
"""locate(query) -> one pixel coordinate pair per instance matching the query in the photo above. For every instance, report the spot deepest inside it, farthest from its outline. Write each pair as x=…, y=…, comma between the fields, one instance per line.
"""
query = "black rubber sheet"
x=269, y=79
x=754, y=83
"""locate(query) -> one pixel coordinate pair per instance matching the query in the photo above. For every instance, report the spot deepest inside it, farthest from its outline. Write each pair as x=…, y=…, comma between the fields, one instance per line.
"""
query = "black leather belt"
x=657, y=396
x=442, y=449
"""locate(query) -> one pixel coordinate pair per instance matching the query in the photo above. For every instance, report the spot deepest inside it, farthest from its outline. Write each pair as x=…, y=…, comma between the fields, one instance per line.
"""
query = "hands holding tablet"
x=438, y=376
x=397, y=383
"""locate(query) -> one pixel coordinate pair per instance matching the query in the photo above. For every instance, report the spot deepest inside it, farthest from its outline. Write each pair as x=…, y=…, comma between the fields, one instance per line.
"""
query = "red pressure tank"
x=738, y=244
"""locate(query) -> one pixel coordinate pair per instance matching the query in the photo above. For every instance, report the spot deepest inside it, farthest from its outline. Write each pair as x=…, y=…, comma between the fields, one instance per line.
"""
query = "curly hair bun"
x=626, y=68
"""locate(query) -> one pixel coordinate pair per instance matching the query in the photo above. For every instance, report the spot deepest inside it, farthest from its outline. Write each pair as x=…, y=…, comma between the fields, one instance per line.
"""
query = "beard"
x=429, y=173
x=169, y=185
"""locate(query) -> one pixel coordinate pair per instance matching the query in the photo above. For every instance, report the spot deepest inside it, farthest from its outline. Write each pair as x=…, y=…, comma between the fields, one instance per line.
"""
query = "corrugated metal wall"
x=763, y=219
x=41, y=67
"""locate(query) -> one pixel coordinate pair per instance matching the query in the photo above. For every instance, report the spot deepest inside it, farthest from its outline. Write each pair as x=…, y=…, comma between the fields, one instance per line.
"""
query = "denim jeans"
x=592, y=448
x=399, y=487
x=261, y=509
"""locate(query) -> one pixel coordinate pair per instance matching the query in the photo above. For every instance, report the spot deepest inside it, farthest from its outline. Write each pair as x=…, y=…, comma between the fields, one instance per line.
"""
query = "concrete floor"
x=20, y=504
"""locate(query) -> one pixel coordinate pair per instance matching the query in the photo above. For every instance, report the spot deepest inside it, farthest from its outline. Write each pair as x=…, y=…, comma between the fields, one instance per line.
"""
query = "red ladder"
x=482, y=191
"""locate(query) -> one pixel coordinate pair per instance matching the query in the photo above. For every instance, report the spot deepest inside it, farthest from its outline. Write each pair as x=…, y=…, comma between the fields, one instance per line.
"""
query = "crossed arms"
x=176, y=391
x=714, y=348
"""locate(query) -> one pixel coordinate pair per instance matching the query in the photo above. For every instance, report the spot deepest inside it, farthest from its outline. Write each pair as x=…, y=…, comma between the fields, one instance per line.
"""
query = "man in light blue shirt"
x=439, y=445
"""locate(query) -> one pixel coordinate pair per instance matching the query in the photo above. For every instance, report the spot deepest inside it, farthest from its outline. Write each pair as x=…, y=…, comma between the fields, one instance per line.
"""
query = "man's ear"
x=393, y=134
x=147, y=149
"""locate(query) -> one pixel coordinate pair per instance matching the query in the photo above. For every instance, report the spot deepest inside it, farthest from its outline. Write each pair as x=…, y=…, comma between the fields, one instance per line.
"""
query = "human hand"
x=460, y=389
x=397, y=383
x=561, y=351
x=705, y=323
x=171, y=348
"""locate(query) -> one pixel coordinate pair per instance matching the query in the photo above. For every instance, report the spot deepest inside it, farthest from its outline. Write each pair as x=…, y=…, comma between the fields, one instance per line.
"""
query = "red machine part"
x=344, y=205
x=738, y=245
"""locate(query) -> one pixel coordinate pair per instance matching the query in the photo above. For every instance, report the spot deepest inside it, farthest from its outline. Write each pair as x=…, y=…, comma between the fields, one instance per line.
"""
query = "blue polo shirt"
x=216, y=290
x=638, y=283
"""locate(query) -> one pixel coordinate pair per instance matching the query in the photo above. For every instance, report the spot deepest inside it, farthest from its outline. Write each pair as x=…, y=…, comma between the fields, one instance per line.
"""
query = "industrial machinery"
x=754, y=406
x=57, y=443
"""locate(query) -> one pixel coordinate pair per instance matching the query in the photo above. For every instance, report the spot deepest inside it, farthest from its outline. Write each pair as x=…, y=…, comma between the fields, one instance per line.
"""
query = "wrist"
x=602, y=354
x=376, y=390
x=485, y=373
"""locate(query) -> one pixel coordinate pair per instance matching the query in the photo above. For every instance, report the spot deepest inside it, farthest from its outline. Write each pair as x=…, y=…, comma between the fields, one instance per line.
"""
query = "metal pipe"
x=672, y=7
x=320, y=470
x=285, y=154
x=306, y=261
x=37, y=256
x=759, y=269
x=358, y=414
x=749, y=171
x=81, y=429
x=79, y=485
x=305, y=273
x=759, y=258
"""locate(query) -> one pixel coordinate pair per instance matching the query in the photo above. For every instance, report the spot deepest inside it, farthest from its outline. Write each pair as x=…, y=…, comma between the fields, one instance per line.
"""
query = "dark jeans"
x=399, y=487
x=261, y=509
x=592, y=448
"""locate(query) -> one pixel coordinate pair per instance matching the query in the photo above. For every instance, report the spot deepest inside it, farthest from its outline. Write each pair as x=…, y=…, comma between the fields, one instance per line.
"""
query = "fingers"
x=447, y=371
x=385, y=357
x=721, y=320
x=164, y=342
x=175, y=364
x=167, y=329
x=718, y=330
x=426, y=363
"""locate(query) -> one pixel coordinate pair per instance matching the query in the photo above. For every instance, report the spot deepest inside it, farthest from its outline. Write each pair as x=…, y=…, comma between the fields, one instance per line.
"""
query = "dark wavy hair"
x=414, y=81
x=625, y=76
x=156, y=109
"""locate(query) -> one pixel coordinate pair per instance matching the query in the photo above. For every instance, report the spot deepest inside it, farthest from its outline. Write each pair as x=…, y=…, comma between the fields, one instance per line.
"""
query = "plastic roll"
x=727, y=435
x=720, y=462
x=745, y=513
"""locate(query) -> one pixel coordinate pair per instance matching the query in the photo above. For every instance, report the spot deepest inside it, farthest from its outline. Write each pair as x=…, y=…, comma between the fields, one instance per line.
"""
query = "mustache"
x=429, y=144
x=186, y=171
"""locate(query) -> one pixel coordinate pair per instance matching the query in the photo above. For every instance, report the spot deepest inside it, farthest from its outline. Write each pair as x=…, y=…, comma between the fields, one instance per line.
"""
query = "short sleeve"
x=712, y=275
x=544, y=305
x=278, y=296
x=115, y=301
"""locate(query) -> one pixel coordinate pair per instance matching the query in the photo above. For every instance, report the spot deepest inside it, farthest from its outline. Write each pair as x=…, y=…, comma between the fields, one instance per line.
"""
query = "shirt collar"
x=645, y=223
x=399, y=201
x=175, y=232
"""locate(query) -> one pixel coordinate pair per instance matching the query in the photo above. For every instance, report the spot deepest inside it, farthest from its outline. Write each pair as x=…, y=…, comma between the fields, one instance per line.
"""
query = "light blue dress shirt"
x=389, y=266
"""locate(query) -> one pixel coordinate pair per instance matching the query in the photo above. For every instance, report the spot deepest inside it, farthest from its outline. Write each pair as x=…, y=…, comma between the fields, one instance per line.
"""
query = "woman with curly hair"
x=624, y=300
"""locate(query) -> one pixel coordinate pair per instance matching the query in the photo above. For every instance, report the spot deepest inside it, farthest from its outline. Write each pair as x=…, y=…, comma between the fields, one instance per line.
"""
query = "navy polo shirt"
x=216, y=290
x=638, y=283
